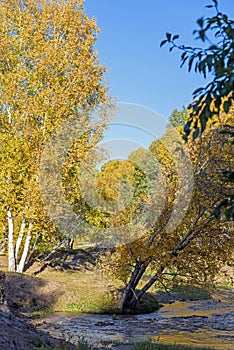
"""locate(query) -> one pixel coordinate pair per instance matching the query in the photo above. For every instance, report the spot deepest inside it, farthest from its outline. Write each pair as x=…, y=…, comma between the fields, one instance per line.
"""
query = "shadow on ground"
x=26, y=294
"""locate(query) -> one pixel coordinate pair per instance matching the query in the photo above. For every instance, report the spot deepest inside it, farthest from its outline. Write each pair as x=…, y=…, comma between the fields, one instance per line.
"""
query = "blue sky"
x=139, y=70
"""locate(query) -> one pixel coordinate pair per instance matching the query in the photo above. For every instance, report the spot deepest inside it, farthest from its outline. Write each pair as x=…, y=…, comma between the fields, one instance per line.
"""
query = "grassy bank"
x=58, y=291
x=79, y=288
x=80, y=292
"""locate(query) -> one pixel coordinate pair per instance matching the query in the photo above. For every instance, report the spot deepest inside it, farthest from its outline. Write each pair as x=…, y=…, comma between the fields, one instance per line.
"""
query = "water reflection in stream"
x=197, y=323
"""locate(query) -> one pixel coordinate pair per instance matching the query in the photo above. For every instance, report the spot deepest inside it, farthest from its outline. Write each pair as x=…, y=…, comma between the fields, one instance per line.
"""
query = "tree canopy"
x=49, y=72
x=189, y=250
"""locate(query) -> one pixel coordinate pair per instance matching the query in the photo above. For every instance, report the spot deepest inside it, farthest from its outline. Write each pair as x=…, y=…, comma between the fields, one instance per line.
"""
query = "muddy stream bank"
x=198, y=323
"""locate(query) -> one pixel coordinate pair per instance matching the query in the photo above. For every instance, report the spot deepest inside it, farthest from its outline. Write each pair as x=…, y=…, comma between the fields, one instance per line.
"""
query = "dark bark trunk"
x=130, y=301
x=151, y=282
x=131, y=296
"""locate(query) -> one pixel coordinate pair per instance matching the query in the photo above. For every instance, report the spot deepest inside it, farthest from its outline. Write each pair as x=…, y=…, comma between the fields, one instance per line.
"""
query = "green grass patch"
x=148, y=345
x=42, y=312
x=82, y=292
x=92, y=303
x=227, y=284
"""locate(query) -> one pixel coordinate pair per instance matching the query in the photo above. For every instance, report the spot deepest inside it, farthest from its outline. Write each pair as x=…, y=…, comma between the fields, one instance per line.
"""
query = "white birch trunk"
x=11, y=250
x=20, y=266
x=9, y=115
x=19, y=239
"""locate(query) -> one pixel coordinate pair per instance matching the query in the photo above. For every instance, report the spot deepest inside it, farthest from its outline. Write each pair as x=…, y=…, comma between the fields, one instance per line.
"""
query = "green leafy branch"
x=217, y=60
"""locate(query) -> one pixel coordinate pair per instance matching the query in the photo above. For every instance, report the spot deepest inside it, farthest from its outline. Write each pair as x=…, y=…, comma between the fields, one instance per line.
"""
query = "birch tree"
x=49, y=71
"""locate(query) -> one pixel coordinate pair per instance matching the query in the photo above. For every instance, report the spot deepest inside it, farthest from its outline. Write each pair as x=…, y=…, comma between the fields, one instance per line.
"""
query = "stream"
x=197, y=323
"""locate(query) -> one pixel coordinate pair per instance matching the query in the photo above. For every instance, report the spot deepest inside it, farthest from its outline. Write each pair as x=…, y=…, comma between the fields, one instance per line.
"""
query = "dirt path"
x=18, y=334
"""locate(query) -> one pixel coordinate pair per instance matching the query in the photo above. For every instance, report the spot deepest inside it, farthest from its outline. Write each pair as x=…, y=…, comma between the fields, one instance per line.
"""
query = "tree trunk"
x=11, y=249
x=129, y=301
x=20, y=266
x=131, y=296
x=19, y=239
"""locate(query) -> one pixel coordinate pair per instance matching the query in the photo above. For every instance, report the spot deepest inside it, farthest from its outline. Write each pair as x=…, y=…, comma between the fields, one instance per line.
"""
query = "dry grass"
x=81, y=292
x=57, y=290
